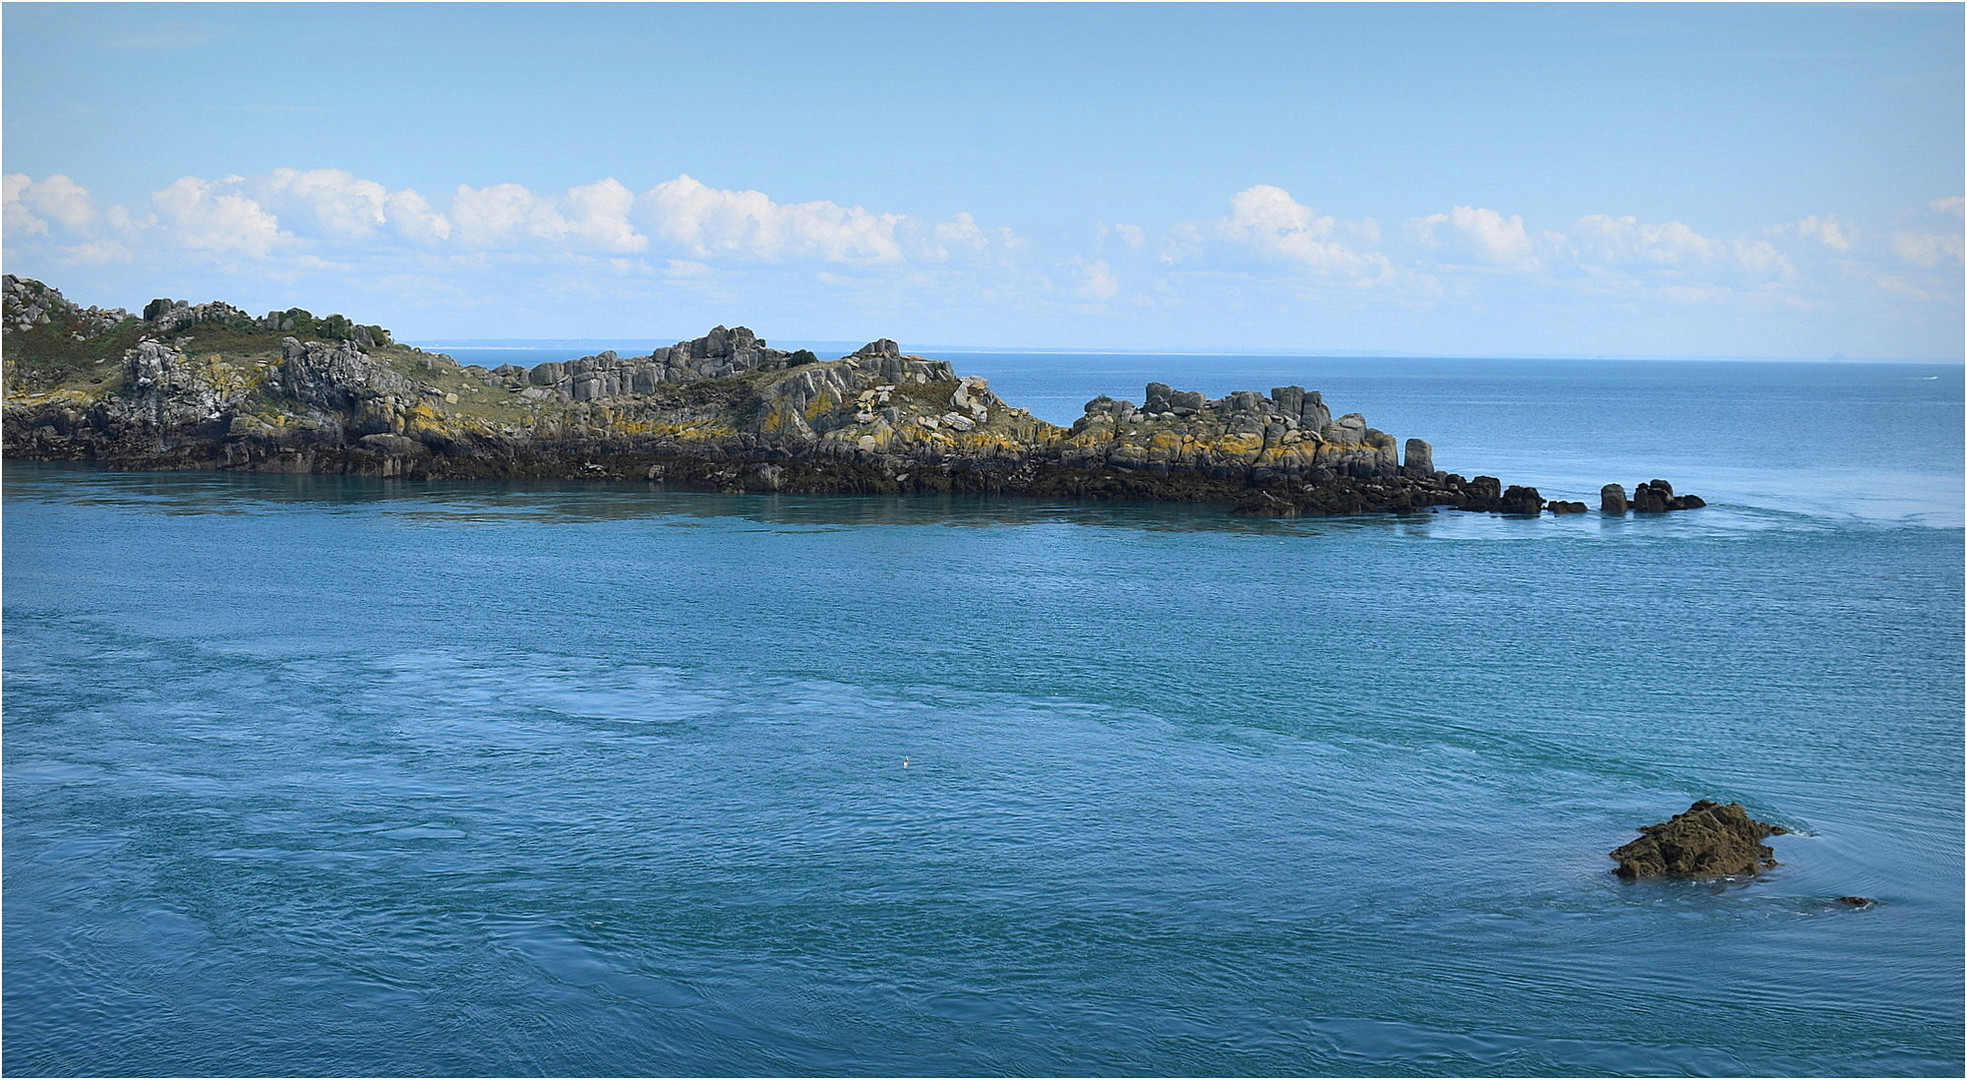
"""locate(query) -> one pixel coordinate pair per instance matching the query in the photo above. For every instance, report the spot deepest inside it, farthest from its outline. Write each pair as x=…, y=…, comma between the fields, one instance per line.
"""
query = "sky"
x=1762, y=180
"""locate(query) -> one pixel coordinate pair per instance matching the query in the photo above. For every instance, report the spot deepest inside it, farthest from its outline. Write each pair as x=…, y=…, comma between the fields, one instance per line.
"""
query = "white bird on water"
x=904, y=763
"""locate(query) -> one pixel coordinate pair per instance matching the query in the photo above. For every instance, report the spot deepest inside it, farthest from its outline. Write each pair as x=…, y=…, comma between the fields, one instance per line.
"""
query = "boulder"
x=1612, y=499
x=1657, y=497
x=1709, y=840
x=1560, y=507
x=1646, y=499
x=1420, y=460
x=1522, y=500
x=877, y=349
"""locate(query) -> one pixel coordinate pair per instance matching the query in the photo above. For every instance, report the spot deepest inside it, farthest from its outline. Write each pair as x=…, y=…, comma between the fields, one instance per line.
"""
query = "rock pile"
x=1289, y=434
x=29, y=303
x=724, y=353
x=165, y=316
x=1708, y=840
x=1653, y=497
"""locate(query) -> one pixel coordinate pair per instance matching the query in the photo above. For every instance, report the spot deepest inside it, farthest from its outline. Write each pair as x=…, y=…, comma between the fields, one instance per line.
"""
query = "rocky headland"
x=208, y=386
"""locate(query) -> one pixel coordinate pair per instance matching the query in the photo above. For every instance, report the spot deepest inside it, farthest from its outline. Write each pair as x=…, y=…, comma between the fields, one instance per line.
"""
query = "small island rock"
x=1709, y=840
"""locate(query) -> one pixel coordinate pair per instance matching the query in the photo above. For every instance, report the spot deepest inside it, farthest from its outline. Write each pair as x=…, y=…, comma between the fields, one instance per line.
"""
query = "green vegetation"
x=49, y=355
x=803, y=356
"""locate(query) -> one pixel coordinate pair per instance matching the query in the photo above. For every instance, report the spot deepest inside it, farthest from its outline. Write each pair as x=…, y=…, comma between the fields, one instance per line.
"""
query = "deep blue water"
x=313, y=776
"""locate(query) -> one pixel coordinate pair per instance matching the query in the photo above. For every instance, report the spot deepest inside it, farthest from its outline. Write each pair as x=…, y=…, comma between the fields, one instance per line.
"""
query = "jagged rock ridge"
x=208, y=386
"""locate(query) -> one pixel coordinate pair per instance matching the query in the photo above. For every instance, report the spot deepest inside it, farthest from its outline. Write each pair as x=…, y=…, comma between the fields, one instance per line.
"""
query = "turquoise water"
x=313, y=776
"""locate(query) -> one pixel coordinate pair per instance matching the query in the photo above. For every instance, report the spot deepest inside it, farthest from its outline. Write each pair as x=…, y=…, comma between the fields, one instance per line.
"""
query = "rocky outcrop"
x=1657, y=497
x=163, y=317
x=1288, y=435
x=1708, y=840
x=207, y=386
x=1612, y=499
x=29, y=304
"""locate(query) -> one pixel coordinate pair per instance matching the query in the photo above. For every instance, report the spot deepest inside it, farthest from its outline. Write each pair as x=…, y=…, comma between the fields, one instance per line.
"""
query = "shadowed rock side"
x=208, y=386
x=1708, y=840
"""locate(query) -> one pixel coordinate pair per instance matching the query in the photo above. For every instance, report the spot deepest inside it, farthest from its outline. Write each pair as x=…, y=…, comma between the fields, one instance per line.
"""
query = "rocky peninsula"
x=208, y=386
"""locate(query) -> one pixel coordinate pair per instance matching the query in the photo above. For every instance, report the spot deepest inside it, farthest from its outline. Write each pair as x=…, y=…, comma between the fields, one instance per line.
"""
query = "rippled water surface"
x=315, y=776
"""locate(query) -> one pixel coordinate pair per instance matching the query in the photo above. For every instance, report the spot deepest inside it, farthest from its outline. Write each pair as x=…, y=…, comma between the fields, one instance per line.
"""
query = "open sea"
x=316, y=776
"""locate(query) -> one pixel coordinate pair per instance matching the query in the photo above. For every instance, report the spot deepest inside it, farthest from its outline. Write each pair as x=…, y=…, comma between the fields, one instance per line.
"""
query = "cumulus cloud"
x=1266, y=219
x=1939, y=243
x=1096, y=280
x=96, y=253
x=1828, y=230
x=1927, y=249
x=1614, y=241
x=1483, y=235
x=208, y=215
x=311, y=213
x=334, y=201
x=710, y=221
x=1762, y=257
x=30, y=206
x=511, y=217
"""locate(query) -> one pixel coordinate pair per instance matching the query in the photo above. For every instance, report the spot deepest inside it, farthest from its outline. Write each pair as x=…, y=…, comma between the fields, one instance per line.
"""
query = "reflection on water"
x=485, y=502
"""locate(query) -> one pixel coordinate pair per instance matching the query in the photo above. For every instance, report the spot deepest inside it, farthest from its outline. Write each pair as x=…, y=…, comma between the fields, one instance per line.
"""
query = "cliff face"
x=209, y=386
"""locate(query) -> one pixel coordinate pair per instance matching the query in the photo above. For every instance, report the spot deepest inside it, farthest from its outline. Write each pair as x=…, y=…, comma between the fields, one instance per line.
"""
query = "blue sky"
x=1675, y=180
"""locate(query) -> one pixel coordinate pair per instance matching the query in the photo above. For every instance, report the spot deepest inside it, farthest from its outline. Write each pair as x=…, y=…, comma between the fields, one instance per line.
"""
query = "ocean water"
x=314, y=776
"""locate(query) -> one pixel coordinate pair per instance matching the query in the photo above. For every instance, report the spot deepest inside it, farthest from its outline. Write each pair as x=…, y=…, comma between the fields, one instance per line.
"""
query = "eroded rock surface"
x=185, y=386
x=1708, y=840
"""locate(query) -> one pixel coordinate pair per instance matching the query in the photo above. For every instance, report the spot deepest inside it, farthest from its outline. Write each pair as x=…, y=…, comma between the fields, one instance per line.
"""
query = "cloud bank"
x=684, y=244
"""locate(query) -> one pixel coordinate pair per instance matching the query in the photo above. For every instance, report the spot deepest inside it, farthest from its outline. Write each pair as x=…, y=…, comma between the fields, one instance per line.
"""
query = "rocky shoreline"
x=208, y=386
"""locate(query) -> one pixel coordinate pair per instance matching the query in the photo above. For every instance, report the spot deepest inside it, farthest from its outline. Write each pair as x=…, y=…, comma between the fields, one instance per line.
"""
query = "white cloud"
x=414, y=219
x=1834, y=234
x=209, y=215
x=511, y=217
x=1133, y=236
x=1600, y=238
x=1484, y=234
x=1762, y=257
x=1096, y=280
x=31, y=205
x=20, y=222
x=599, y=217
x=1268, y=220
x=1892, y=283
x=1927, y=249
x=709, y=221
x=333, y=200
x=503, y=215
x=95, y=253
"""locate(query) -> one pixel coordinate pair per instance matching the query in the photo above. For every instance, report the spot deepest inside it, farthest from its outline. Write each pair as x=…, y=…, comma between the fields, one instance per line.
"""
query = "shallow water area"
x=313, y=776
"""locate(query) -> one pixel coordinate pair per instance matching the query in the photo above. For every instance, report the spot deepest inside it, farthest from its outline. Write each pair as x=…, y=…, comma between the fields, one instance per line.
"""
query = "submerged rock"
x=1708, y=840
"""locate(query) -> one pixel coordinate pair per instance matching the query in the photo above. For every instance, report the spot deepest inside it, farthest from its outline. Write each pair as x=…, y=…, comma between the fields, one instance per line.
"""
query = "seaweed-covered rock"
x=1708, y=840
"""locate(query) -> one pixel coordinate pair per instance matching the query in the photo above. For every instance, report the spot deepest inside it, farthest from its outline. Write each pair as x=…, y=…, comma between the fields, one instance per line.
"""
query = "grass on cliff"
x=48, y=356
